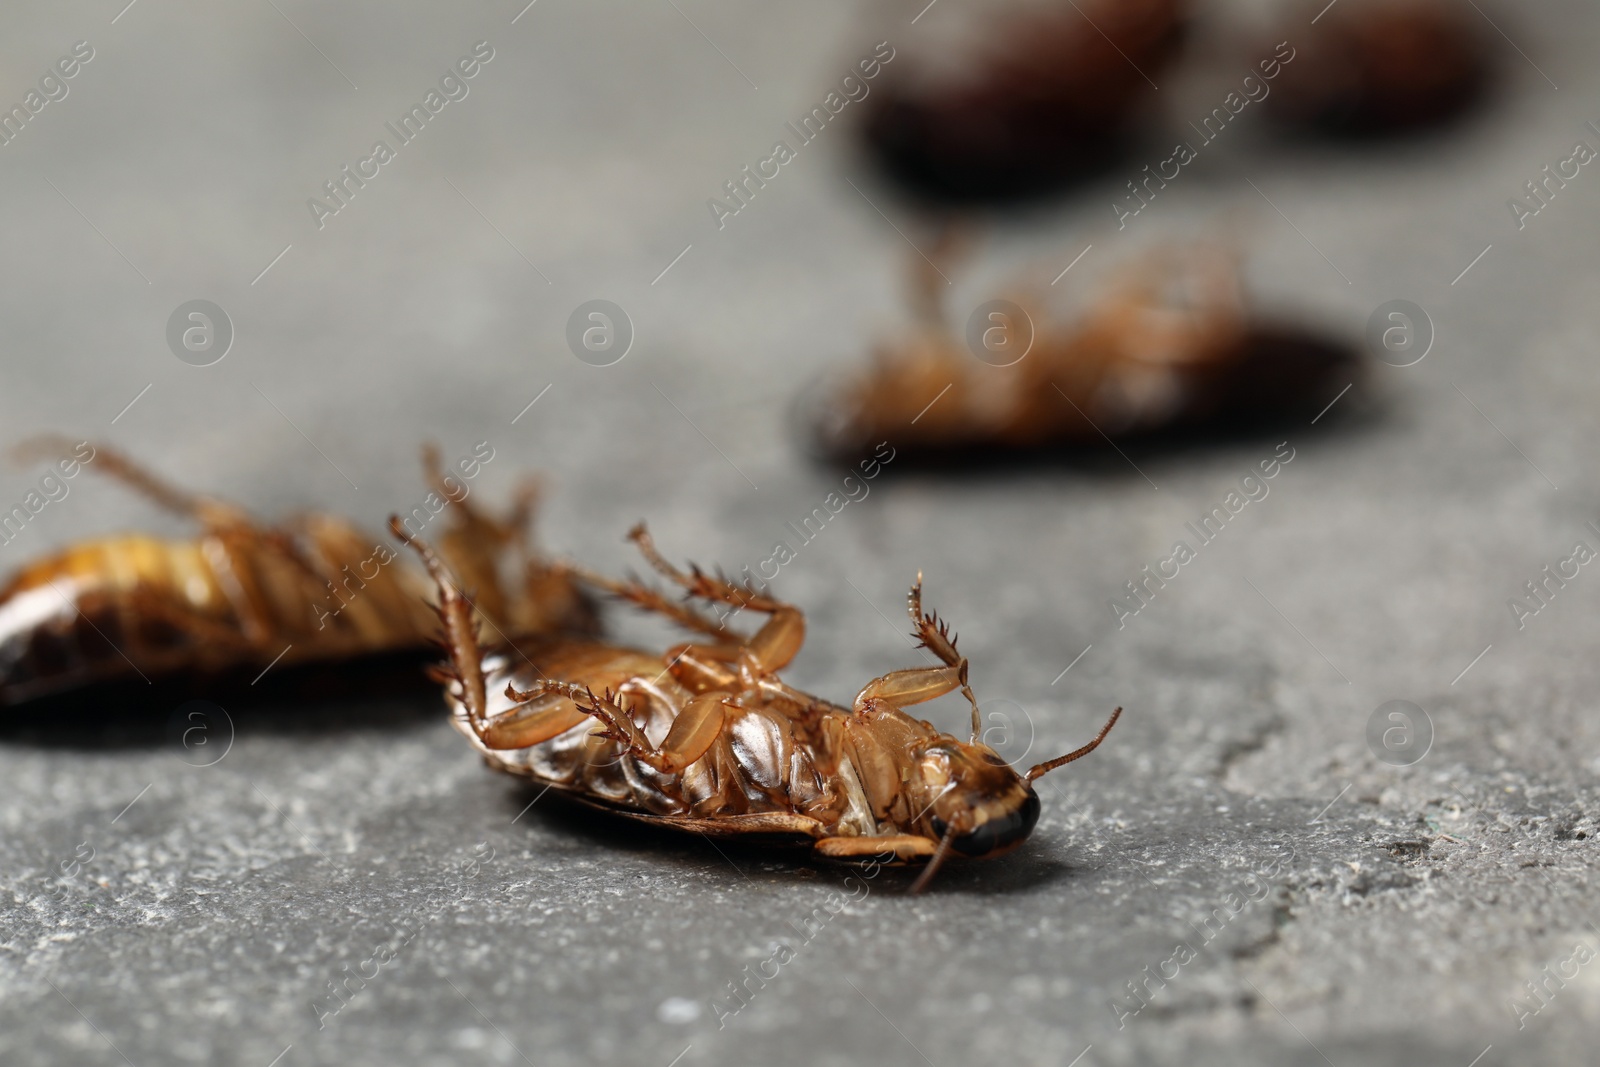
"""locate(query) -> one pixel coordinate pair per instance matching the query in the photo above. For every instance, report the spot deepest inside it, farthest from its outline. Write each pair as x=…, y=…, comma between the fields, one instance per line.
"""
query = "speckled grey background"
x=1337, y=909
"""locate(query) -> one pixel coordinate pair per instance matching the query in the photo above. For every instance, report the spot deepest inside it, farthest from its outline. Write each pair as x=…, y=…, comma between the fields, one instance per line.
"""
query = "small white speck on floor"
x=678, y=1010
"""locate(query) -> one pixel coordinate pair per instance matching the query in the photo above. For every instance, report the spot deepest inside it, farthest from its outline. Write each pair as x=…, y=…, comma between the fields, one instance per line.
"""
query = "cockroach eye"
x=997, y=835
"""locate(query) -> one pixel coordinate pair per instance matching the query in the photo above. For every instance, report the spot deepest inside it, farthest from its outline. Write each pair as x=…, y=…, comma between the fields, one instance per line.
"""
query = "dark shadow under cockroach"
x=1290, y=377
x=754, y=857
x=381, y=692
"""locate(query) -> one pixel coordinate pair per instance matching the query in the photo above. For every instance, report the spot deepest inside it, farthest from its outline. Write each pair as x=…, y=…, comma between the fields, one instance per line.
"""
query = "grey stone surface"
x=1383, y=914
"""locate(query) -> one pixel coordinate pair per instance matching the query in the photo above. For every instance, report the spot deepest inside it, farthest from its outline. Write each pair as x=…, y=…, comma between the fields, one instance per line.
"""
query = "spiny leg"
x=778, y=640
x=648, y=599
x=1050, y=765
x=532, y=721
x=535, y=720
x=918, y=684
x=542, y=598
x=545, y=597
x=700, y=667
x=485, y=528
x=694, y=730
x=934, y=635
x=474, y=541
x=460, y=632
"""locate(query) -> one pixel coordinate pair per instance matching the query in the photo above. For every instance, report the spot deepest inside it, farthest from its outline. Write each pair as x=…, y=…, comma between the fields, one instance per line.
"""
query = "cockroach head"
x=973, y=795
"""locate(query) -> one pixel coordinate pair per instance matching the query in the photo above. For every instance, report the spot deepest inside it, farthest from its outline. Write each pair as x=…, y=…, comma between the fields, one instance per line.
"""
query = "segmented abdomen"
x=759, y=764
x=85, y=614
x=137, y=606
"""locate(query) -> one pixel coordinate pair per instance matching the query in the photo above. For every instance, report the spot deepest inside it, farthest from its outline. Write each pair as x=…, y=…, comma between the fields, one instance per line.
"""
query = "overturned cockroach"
x=1171, y=347
x=243, y=595
x=707, y=738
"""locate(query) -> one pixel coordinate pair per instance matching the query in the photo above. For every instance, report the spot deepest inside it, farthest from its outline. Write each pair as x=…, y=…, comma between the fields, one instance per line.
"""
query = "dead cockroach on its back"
x=707, y=737
x=244, y=595
x=1170, y=347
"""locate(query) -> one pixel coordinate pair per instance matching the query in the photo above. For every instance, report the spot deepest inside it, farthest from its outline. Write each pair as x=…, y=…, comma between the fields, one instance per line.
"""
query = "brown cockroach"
x=706, y=737
x=244, y=596
x=1170, y=347
x=1385, y=67
x=1016, y=99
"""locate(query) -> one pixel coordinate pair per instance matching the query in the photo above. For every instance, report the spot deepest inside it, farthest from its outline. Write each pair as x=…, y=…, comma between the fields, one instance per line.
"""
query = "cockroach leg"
x=903, y=846
x=647, y=599
x=693, y=732
x=918, y=684
x=914, y=685
x=474, y=541
x=109, y=461
x=475, y=525
x=779, y=638
x=460, y=631
x=1050, y=765
x=697, y=666
x=619, y=725
x=936, y=638
x=533, y=722
x=537, y=719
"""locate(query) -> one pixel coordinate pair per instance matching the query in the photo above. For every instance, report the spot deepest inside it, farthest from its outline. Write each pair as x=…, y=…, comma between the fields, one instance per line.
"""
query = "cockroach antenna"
x=1041, y=769
x=942, y=852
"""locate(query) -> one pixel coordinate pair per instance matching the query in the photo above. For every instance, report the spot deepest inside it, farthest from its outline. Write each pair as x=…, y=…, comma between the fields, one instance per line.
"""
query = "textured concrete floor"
x=1235, y=878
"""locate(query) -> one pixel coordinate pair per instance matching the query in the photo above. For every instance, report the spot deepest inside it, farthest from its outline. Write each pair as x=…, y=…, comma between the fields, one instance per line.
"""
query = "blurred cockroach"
x=1384, y=67
x=1015, y=99
x=707, y=738
x=243, y=596
x=1169, y=347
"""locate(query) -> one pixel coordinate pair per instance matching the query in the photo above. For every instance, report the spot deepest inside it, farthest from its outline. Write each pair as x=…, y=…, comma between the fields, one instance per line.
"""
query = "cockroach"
x=1384, y=67
x=244, y=595
x=1040, y=98
x=707, y=738
x=1170, y=347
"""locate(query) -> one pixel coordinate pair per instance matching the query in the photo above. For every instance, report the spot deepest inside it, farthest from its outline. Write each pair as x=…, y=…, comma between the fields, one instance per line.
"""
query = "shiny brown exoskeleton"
x=1170, y=347
x=243, y=595
x=707, y=737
